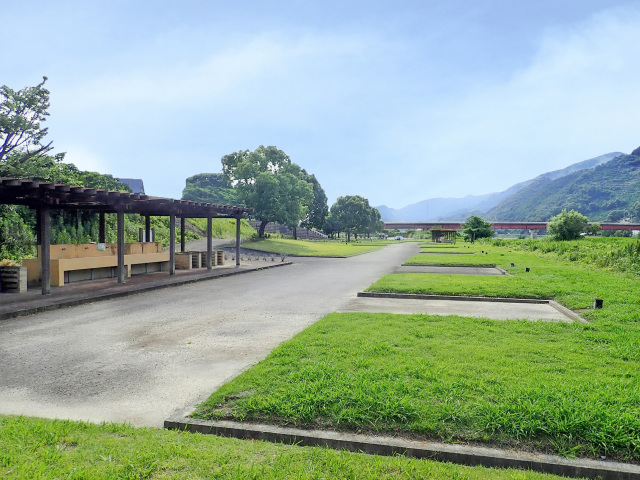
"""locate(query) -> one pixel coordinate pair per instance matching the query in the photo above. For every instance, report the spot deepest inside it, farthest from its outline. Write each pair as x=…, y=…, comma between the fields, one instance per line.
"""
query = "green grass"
x=481, y=255
x=305, y=248
x=32, y=448
x=572, y=389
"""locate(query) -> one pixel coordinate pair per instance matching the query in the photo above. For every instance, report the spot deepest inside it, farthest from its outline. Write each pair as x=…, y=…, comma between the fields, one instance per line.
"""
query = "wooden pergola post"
x=120, y=228
x=209, y=243
x=102, y=228
x=238, y=241
x=182, y=225
x=147, y=228
x=172, y=244
x=45, y=247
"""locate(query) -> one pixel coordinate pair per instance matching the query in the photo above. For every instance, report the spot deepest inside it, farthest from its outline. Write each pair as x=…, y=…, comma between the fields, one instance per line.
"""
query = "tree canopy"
x=211, y=188
x=271, y=184
x=21, y=115
x=567, y=225
x=352, y=214
x=475, y=228
x=318, y=209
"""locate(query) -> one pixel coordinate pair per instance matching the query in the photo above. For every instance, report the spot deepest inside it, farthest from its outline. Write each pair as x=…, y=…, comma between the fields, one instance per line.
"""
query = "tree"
x=475, y=228
x=210, y=188
x=318, y=209
x=593, y=229
x=271, y=184
x=353, y=214
x=567, y=225
x=331, y=226
x=21, y=115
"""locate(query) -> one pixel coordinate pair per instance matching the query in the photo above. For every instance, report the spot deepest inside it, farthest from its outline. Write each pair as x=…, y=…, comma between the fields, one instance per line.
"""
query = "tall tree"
x=211, y=188
x=475, y=228
x=353, y=214
x=567, y=225
x=271, y=184
x=318, y=209
x=21, y=115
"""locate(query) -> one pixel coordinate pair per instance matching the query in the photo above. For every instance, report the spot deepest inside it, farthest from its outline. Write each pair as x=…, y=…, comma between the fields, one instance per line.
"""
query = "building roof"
x=136, y=184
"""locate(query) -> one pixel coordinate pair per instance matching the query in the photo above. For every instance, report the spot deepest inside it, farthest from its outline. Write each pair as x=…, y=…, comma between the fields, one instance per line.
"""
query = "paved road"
x=139, y=359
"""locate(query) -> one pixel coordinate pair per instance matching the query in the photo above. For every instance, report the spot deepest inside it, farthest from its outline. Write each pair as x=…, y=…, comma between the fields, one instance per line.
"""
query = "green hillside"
x=604, y=193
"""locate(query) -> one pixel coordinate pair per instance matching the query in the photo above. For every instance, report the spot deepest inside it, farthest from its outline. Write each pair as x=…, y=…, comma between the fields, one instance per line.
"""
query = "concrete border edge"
x=421, y=296
x=381, y=445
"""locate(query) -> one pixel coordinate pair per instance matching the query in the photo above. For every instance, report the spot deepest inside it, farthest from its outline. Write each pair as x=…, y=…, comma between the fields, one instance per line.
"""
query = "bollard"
x=597, y=303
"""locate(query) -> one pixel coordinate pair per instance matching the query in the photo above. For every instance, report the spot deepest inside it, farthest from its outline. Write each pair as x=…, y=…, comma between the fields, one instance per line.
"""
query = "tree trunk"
x=263, y=224
x=348, y=237
x=295, y=233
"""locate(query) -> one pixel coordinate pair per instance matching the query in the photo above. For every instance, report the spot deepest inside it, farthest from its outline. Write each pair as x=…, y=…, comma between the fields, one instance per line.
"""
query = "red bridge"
x=500, y=225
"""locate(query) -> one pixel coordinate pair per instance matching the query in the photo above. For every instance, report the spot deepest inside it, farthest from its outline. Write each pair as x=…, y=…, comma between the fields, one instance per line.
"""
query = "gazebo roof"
x=37, y=194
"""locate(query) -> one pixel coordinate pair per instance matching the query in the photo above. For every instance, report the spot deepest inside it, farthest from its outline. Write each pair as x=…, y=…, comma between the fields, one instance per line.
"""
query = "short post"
x=597, y=303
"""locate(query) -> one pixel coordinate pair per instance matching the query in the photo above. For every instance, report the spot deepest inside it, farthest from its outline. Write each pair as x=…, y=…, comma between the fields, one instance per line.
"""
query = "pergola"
x=448, y=233
x=43, y=197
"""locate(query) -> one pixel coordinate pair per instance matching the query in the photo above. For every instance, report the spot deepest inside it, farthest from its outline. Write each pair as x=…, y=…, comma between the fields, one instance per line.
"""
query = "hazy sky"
x=397, y=101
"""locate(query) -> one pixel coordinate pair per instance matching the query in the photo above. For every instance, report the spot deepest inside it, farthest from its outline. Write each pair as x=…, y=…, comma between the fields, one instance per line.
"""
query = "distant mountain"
x=455, y=209
x=602, y=193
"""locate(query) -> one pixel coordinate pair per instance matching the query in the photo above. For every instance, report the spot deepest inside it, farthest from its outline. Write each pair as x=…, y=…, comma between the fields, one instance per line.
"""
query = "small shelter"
x=443, y=235
x=44, y=196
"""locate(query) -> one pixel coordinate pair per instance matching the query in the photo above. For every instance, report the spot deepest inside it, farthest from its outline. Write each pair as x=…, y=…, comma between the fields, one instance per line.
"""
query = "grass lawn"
x=572, y=389
x=481, y=255
x=32, y=448
x=305, y=248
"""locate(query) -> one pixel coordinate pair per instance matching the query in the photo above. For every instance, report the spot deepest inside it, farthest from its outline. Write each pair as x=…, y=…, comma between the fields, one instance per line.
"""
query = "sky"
x=397, y=101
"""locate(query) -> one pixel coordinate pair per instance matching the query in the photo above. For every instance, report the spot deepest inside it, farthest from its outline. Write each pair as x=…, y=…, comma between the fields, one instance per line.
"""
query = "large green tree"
x=21, y=116
x=475, y=228
x=352, y=214
x=211, y=188
x=271, y=184
x=318, y=209
x=567, y=225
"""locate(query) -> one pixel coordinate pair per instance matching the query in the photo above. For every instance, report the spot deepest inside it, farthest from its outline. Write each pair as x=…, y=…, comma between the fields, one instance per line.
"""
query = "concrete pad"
x=476, y=309
x=449, y=253
x=450, y=270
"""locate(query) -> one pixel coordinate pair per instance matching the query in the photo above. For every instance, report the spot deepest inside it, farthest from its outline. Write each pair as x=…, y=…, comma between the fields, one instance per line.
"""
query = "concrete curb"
x=569, y=313
x=466, y=265
x=422, y=296
x=125, y=293
x=417, y=296
x=382, y=445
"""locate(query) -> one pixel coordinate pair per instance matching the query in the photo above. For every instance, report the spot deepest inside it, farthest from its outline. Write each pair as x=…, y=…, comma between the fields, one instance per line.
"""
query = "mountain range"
x=596, y=187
